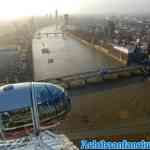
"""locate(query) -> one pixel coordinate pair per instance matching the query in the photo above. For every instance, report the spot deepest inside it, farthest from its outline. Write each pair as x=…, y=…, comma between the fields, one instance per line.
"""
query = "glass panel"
x=16, y=123
x=42, y=94
x=47, y=110
x=52, y=104
x=60, y=100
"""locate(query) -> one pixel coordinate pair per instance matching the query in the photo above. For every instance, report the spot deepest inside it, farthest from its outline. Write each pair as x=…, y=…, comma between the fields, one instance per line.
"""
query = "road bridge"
x=98, y=76
x=50, y=34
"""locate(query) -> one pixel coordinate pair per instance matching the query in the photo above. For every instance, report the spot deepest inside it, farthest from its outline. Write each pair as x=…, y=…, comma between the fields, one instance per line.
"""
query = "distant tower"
x=111, y=28
x=56, y=18
x=66, y=19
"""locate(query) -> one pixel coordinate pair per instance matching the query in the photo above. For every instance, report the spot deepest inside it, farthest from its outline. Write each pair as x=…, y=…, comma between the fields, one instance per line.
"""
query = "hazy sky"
x=14, y=8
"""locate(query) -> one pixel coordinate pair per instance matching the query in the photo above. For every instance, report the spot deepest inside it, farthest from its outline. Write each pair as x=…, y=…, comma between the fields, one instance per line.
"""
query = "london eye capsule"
x=32, y=106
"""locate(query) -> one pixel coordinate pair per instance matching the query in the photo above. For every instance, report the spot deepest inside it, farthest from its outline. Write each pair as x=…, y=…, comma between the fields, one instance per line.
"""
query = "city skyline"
x=16, y=8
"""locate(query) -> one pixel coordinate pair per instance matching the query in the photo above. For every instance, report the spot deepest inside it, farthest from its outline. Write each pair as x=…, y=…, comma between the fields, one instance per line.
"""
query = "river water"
x=67, y=56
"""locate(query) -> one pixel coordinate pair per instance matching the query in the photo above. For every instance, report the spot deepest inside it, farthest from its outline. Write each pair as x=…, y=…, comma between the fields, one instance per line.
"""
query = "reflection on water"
x=68, y=57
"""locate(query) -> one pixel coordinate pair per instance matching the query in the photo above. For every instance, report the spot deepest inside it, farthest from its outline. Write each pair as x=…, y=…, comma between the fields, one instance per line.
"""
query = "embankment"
x=107, y=51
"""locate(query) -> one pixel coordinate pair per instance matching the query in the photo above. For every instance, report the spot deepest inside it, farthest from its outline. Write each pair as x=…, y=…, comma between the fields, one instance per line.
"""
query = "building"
x=66, y=19
x=8, y=59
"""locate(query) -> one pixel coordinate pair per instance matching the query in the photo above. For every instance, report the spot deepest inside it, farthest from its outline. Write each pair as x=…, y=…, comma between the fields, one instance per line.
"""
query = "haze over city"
x=13, y=9
x=71, y=70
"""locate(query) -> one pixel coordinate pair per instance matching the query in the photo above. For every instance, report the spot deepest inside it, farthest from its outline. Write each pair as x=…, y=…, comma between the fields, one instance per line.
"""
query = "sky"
x=10, y=9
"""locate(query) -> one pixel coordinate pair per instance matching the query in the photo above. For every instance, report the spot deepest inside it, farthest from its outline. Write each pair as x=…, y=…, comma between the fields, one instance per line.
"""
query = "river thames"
x=67, y=56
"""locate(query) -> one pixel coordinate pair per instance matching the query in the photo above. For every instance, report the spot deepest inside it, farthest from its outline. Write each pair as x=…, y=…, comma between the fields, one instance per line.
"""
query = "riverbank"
x=98, y=48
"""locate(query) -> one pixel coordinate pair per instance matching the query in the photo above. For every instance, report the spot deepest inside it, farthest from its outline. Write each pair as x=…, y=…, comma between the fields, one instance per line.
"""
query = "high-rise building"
x=66, y=19
x=56, y=18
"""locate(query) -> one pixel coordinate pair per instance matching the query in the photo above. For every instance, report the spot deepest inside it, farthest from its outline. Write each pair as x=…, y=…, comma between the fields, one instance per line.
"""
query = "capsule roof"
x=16, y=96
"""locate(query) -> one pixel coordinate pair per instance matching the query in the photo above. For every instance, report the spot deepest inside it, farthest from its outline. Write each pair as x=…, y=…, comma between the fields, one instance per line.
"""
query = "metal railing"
x=102, y=74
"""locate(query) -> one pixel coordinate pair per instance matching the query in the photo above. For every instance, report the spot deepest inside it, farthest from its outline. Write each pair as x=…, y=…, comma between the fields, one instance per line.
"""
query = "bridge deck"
x=113, y=73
